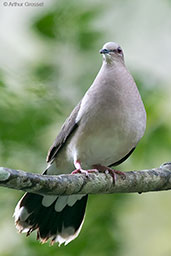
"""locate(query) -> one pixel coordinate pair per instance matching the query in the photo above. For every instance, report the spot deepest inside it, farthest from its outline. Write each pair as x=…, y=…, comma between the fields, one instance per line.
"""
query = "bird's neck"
x=110, y=62
x=113, y=66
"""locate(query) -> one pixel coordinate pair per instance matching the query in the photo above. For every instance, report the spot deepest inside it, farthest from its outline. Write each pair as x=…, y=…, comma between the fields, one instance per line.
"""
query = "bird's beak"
x=104, y=51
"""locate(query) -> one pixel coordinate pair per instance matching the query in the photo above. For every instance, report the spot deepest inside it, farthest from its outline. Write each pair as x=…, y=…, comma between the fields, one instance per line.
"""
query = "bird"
x=101, y=132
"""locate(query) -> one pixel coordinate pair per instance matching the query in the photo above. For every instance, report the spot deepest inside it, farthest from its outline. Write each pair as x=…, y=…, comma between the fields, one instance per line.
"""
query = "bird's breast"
x=106, y=132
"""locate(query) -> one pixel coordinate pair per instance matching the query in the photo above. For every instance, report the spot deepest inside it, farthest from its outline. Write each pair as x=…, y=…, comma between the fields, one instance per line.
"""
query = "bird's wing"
x=68, y=127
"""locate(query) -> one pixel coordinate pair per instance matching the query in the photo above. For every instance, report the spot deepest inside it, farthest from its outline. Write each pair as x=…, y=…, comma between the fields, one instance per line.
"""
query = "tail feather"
x=61, y=222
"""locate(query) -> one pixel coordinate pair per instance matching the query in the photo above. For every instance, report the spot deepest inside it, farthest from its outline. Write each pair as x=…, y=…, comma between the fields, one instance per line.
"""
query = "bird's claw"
x=78, y=169
x=110, y=171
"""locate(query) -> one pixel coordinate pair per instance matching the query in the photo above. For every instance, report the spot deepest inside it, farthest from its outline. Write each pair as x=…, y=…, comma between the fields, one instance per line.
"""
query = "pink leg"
x=80, y=170
x=105, y=169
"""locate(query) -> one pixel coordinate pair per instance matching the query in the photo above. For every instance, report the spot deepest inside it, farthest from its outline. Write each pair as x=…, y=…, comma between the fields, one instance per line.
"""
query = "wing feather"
x=68, y=127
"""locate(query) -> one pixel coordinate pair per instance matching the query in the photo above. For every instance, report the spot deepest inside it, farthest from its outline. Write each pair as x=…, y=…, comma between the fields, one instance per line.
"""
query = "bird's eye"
x=119, y=50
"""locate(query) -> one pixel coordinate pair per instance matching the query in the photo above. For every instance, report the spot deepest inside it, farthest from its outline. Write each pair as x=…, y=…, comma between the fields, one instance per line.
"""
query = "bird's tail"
x=59, y=218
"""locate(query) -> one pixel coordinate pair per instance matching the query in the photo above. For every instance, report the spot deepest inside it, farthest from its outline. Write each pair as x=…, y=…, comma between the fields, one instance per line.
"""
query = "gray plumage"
x=103, y=129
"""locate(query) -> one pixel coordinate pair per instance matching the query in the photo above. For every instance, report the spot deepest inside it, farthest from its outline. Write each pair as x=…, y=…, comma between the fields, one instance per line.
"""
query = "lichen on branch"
x=156, y=179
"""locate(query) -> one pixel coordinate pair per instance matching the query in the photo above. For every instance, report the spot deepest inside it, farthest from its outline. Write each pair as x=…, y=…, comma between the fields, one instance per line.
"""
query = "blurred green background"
x=48, y=59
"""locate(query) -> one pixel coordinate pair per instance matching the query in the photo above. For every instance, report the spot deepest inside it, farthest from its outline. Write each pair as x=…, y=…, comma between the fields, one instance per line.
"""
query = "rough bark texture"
x=156, y=179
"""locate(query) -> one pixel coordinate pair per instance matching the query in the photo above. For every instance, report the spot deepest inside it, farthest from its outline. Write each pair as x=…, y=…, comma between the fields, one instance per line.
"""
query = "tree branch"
x=134, y=181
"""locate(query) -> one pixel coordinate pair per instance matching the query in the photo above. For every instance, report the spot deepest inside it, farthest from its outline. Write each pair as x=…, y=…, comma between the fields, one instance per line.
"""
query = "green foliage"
x=44, y=72
x=69, y=22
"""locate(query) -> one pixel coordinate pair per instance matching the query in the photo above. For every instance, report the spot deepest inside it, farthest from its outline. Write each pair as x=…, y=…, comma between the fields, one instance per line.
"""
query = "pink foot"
x=86, y=172
x=113, y=172
x=80, y=170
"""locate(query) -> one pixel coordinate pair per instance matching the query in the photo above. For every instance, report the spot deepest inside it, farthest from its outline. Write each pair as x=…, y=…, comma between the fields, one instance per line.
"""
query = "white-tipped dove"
x=102, y=131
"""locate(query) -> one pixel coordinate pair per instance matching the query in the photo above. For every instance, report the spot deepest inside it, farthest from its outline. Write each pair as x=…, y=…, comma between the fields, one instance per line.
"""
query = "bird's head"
x=112, y=52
